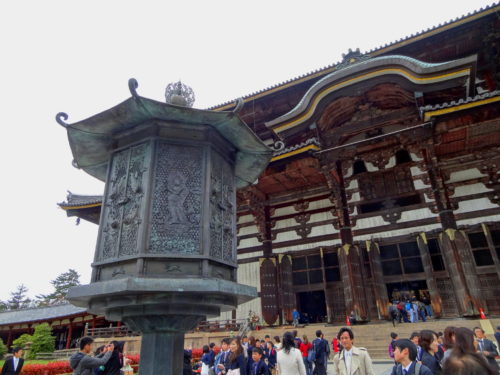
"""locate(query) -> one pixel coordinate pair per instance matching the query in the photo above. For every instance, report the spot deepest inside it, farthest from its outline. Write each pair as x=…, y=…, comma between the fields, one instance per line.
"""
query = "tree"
x=61, y=285
x=18, y=299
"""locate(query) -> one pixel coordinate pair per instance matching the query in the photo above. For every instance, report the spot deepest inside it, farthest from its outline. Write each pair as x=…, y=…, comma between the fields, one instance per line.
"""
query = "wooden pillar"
x=329, y=312
x=288, y=301
x=70, y=334
x=380, y=290
x=9, y=338
x=455, y=245
x=436, y=301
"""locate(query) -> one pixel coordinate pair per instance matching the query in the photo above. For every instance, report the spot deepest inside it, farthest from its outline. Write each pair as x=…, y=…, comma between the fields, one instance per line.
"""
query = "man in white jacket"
x=351, y=360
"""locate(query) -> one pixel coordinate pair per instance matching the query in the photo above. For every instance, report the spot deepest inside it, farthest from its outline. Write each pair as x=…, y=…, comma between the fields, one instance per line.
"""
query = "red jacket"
x=304, y=348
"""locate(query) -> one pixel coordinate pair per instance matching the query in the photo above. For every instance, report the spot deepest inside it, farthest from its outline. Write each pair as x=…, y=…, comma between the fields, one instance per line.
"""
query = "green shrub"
x=3, y=349
x=22, y=340
x=42, y=341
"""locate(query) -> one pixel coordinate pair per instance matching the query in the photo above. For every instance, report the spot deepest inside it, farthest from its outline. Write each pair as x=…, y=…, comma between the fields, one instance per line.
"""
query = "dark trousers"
x=319, y=368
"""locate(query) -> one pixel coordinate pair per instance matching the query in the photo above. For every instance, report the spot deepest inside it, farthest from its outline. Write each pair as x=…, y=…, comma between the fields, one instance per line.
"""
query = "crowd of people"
x=290, y=354
x=456, y=351
x=410, y=311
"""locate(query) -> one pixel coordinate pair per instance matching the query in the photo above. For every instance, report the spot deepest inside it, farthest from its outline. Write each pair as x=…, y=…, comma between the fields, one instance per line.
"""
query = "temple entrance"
x=312, y=306
x=406, y=290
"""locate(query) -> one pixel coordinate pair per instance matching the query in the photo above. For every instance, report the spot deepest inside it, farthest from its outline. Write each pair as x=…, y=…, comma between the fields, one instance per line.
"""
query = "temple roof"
x=39, y=314
x=447, y=107
x=75, y=201
x=471, y=16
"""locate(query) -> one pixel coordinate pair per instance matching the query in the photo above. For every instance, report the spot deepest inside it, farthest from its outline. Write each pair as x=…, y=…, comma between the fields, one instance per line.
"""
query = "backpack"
x=311, y=354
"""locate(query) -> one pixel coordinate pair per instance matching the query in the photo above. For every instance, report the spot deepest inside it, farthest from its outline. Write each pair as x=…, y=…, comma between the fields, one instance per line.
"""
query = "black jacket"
x=8, y=367
x=262, y=369
x=431, y=362
x=398, y=370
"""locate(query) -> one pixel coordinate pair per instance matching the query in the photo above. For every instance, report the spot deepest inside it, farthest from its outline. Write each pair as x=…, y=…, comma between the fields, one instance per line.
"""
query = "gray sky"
x=77, y=56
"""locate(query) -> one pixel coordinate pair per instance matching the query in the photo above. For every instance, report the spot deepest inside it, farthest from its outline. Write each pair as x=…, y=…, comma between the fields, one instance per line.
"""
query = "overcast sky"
x=77, y=56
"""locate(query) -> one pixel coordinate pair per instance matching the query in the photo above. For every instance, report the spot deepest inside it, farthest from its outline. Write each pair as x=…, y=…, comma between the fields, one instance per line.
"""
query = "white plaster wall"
x=245, y=219
x=286, y=223
x=466, y=174
x=244, y=309
x=391, y=163
x=249, y=242
x=251, y=229
x=477, y=220
x=474, y=205
x=320, y=204
x=354, y=198
x=323, y=230
x=464, y=190
x=415, y=171
x=369, y=222
x=250, y=255
x=419, y=184
x=421, y=213
x=284, y=211
x=349, y=172
x=307, y=246
x=370, y=167
x=398, y=232
x=414, y=157
x=321, y=216
x=287, y=236
x=353, y=184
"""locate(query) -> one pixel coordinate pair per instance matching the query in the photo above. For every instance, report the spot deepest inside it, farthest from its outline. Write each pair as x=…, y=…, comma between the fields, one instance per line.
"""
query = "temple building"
x=384, y=183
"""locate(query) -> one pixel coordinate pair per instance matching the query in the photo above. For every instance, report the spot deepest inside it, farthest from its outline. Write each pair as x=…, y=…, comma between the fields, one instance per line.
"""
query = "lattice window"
x=308, y=270
x=399, y=259
x=436, y=256
x=480, y=249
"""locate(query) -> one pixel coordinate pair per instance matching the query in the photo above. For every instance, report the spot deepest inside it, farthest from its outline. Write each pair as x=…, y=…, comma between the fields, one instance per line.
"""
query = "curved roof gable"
x=414, y=73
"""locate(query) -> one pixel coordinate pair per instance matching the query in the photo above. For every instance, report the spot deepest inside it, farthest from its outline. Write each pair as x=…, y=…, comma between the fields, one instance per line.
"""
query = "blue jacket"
x=322, y=350
x=431, y=362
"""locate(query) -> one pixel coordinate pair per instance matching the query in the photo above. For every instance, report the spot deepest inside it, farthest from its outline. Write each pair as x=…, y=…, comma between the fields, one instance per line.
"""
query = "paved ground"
x=381, y=368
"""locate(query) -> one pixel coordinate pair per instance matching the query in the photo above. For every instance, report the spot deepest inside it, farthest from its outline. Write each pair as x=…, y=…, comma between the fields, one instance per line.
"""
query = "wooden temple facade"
x=384, y=183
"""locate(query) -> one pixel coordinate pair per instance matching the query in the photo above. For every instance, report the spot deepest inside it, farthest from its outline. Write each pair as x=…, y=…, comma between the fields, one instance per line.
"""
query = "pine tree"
x=18, y=299
x=61, y=285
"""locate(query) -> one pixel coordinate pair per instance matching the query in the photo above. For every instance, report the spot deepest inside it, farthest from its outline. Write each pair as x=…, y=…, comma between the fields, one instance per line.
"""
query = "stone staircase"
x=376, y=336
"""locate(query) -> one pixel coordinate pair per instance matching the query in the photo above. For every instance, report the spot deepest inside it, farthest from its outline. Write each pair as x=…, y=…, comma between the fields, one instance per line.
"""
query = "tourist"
x=270, y=355
x=337, y=347
x=236, y=364
x=212, y=354
x=421, y=311
x=277, y=342
x=259, y=367
x=14, y=365
x=82, y=363
x=296, y=339
x=295, y=317
x=186, y=363
x=448, y=342
x=428, y=341
x=321, y=352
x=394, y=337
x=205, y=360
x=415, y=336
x=351, y=360
x=405, y=355
x=115, y=363
x=428, y=306
x=289, y=358
x=486, y=347
x=223, y=357
x=464, y=358
x=305, y=349
x=393, y=313
x=352, y=318
x=99, y=370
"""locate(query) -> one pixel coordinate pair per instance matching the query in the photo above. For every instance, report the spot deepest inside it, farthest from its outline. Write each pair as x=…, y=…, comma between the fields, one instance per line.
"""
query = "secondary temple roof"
x=41, y=313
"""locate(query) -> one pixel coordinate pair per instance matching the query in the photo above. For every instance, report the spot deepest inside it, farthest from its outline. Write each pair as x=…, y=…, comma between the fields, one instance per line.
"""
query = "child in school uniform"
x=258, y=367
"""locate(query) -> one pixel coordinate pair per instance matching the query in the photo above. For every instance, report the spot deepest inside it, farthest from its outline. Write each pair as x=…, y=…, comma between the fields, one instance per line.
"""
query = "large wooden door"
x=269, y=290
x=288, y=300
